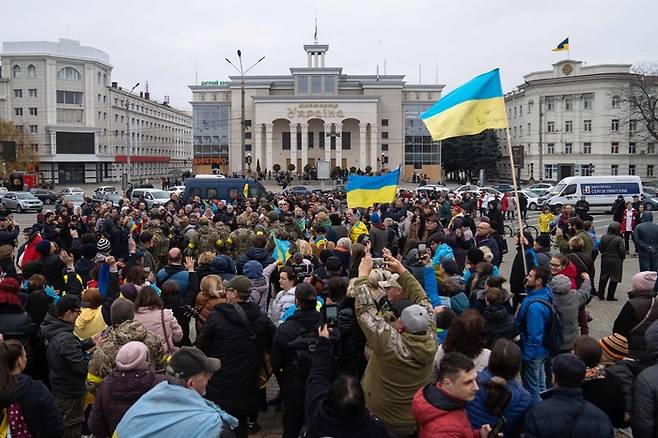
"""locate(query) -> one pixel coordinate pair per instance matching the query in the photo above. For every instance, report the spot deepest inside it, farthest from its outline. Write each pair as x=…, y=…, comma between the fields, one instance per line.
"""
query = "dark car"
x=46, y=196
x=504, y=188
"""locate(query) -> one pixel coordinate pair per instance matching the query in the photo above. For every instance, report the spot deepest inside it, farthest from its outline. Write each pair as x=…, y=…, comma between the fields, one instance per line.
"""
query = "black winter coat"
x=261, y=255
x=8, y=269
x=645, y=395
x=499, y=323
x=16, y=324
x=351, y=356
x=38, y=408
x=551, y=417
x=235, y=386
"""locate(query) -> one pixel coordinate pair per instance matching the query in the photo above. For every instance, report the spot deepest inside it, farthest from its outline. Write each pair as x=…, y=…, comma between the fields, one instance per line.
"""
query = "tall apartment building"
x=573, y=120
x=62, y=94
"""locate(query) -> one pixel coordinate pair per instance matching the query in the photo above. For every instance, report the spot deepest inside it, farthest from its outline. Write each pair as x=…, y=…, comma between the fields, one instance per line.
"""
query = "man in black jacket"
x=68, y=362
x=564, y=411
x=645, y=409
x=9, y=231
x=336, y=408
x=256, y=251
x=302, y=323
x=237, y=333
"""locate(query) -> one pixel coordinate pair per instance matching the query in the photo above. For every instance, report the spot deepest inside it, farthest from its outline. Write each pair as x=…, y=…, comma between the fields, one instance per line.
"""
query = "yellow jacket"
x=545, y=221
x=90, y=322
x=357, y=229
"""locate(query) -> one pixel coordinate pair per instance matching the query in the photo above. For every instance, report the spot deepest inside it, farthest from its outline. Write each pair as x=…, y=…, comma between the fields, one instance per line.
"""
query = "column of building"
x=363, y=147
x=374, y=142
x=293, y=145
x=339, y=145
x=327, y=144
x=257, y=146
x=269, y=140
x=304, y=130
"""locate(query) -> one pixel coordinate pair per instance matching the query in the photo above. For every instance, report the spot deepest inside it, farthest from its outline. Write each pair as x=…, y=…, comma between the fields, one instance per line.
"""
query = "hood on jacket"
x=224, y=266
x=23, y=384
x=436, y=398
x=259, y=254
x=647, y=216
x=614, y=228
x=253, y=269
x=651, y=339
x=53, y=326
x=570, y=271
x=496, y=313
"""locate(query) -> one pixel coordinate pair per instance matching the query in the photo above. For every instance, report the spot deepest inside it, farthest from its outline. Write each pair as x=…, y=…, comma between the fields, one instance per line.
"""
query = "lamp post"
x=242, y=72
x=383, y=156
x=127, y=174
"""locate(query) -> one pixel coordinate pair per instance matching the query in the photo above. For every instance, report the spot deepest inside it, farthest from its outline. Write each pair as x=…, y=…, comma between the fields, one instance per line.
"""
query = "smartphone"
x=330, y=314
x=498, y=428
x=378, y=263
x=422, y=248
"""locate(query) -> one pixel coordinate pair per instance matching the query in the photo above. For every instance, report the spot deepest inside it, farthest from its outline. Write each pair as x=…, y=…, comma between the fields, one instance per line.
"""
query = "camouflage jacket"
x=240, y=240
x=206, y=239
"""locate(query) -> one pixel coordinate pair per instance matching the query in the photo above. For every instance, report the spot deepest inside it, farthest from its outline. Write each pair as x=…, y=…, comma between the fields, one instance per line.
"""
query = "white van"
x=599, y=191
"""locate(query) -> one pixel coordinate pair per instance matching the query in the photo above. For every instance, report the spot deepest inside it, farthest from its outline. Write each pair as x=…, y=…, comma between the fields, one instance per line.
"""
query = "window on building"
x=99, y=78
x=550, y=103
x=16, y=71
x=69, y=97
x=310, y=140
x=631, y=148
x=587, y=125
x=568, y=126
x=615, y=101
x=384, y=147
x=632, y=125
x=316, y=84
x=346, y=140
x=302, y=84
x=587, y=170
x=18, y=92
x=530, y=107
x=631, y=169
x=549, y=169
x=614, y=169
x=247, y=135
x=514, y=131
x=34, y=129
x=520, y=110
x=385, y=135
x=18, y=111
x=32, y=92
x=33, y=111
x=568, y=148
x=285, y=141
x=650, y=169
x=651, y=148
x=514, y=111
x=69, y=74
x=614, y=148
x=614, y=125
x=104, y=78
x=329, y=85
x=587, y=148
x=550, y=126
x=587, y=102
x=528, y=129
x=568, y=103
x=384, y=122
x=550, y=148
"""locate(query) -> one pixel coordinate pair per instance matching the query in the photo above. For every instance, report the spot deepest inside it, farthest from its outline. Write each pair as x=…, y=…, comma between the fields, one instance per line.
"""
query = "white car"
x=152, y=197
x=177, y=189
x=533, y=199
x=3, y=189
x=466, y=188
x=73, y=191
x=540, y=186
x=491, y=191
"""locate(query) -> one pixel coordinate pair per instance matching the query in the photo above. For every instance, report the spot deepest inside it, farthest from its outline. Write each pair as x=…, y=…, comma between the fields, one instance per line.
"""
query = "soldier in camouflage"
x=240, y=239
x=205, y=239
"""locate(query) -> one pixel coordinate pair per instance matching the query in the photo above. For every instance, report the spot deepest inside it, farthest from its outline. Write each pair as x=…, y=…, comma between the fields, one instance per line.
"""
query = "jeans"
x=648, y=262
x=534, y=376
x=627, y=236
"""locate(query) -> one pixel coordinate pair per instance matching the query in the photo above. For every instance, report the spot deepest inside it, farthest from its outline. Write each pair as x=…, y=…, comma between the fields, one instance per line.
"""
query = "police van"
x=211, y=187
x=600, y=191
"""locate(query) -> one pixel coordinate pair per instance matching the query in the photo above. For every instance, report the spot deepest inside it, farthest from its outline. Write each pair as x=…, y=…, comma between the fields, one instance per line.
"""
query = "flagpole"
x=516, y=196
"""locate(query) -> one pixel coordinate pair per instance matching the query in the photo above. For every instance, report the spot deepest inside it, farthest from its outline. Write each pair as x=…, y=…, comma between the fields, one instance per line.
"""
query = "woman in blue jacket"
x=500, y=395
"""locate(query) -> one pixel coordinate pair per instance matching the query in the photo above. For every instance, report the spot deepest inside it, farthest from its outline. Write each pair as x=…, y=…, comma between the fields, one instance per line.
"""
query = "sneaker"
x=253, y=427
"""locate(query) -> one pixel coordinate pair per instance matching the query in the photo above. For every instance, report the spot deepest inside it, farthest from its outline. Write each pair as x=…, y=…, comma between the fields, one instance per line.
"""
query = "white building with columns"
x=316, y=113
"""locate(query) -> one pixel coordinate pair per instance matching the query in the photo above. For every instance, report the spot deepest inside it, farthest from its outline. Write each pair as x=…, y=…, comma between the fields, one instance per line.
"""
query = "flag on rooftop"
x=563, y=46
x=365, y=191
x=470, y=109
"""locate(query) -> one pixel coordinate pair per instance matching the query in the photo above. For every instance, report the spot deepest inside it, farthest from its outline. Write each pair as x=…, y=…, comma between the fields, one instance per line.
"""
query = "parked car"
x=491, y=191
x=533, y=199
x=152, y=197
x=72, y=191
x=75, y=199
x=466, y=188
x=299, y=190
x=177, y=189
x=3, y=189
x=540, y=186
x=650, y=198
x=46, y=196
x=105, y=189
x=21, y=201
x=102, y=198
x=504, y=188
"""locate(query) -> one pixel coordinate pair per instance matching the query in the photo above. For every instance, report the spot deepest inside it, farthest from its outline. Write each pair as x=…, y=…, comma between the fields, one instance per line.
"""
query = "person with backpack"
x=564, y=412
x=205, y=239
x=567, y=301
x=237, y=333
x=532, y=321
x=292, y=354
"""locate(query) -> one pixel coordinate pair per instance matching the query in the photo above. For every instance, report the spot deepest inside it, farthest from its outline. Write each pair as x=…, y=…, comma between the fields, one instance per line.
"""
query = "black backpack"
x=553, y=333
x=299, y=356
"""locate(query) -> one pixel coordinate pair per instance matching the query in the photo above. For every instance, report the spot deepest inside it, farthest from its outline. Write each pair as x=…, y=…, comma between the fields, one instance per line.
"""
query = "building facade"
x=573, y=120
x=62, y=94
x=315, y=114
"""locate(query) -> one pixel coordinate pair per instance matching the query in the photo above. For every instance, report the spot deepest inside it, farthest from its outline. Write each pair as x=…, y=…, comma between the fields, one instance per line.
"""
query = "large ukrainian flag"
x=470, y=109
x=365, y=191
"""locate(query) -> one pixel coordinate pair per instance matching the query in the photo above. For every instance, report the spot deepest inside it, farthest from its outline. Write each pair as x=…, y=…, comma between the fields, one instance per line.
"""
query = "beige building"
x=315, y=114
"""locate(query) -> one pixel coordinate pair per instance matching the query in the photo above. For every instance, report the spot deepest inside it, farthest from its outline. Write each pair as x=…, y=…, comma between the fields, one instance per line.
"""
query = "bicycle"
x=511, y=230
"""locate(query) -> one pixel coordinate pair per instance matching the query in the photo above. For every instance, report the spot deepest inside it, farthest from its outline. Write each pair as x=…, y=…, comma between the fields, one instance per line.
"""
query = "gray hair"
x=345, y=242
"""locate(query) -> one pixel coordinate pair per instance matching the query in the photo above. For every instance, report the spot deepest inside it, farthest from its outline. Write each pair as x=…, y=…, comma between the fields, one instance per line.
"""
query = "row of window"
x=31, y=92
x=16, y=71
x=587, y=148
x=551, y=170
x=587, y=101
x=150, y=111
x=66, y=73
x=587, y=126
x=33, y=111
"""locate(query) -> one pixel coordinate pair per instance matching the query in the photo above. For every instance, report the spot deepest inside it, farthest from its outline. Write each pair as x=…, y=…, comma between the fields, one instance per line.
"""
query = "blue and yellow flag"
x=365, y=191
x=470, y=109
x=563, y=46
x=281, y=249
x=245, y=190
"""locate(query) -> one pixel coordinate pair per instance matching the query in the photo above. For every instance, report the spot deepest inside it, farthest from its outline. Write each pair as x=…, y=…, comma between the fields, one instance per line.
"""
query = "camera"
x=378, y=263
x=301, y=271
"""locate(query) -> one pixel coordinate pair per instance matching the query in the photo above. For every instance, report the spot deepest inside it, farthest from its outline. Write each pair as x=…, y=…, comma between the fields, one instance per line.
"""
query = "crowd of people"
x=394, y=320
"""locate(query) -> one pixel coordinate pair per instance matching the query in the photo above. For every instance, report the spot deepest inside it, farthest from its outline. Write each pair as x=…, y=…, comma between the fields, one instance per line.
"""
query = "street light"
x=126, y=175
x=242, y=72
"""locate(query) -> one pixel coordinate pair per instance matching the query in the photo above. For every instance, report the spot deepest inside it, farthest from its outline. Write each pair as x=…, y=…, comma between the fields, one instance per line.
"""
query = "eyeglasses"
x=556, y=265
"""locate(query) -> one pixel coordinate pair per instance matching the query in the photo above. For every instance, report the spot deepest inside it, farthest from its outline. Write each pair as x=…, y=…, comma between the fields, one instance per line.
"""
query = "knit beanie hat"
x=43, y=248
x=103, y=245
x=132, y=356
x=615, y=345
x=644, y=280
x=121, y=310
x=475, y=255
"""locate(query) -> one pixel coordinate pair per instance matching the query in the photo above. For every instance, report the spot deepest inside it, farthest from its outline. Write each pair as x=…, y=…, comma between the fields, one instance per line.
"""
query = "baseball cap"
x=240, y=283
x=415, y=319
x=68, y=302
x=190, y=361
x=391, y=282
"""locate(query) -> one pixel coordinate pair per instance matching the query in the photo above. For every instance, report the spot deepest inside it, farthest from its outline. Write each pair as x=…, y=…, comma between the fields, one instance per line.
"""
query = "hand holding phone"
x=330, y=314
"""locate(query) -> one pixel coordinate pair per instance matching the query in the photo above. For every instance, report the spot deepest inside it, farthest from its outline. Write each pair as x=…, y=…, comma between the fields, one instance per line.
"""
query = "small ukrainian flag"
x=365, y=191
x=470, y=109
x=563, y=46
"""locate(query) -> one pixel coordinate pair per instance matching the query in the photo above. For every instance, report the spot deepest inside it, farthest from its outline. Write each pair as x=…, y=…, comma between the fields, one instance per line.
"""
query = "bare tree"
x=25, y=156
x=642, y=99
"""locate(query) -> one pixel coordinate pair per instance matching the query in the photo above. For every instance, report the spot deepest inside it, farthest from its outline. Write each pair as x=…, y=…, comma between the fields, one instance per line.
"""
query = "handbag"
x=170, y=348
x=266, y=368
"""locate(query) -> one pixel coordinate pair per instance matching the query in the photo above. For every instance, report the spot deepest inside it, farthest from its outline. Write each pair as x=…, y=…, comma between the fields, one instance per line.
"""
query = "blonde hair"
x=488, y=255
x=212, y=285
x=305, y=248
x=377, y=275
x=206, y=257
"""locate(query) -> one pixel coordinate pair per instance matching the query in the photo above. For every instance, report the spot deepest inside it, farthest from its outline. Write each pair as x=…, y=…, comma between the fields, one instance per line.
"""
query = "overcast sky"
x=162, y=41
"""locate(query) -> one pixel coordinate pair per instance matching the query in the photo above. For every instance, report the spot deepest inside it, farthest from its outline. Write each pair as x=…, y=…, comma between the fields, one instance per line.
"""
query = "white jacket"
x=282, y=301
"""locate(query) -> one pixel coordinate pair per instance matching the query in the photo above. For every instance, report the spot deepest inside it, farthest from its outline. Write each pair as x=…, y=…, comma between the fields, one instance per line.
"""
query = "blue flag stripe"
x=356, y=182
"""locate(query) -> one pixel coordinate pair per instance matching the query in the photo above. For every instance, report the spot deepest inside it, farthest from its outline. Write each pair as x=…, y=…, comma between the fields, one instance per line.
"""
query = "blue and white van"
x=599, y=191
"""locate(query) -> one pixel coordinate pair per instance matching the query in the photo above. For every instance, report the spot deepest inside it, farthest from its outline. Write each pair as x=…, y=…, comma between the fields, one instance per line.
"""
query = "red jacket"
x=623, y=221
x=571, y=272
x=30, y=253
x=440, y=415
